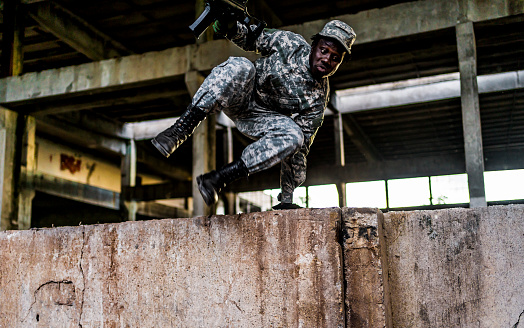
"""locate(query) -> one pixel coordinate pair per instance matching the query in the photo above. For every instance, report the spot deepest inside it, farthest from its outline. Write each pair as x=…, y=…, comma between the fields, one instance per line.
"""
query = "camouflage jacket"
x=284, y=83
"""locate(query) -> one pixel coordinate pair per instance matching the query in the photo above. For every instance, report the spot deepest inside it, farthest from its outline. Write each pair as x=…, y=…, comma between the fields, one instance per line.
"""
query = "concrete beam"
x=414, y=17
x=373, y=25
x=80, y=136
x=100, y=197
x=76, y=32
x=112, y=74
x=144, y=193
x=90, y=121
x=420, y=90
x=76, y=191
x=358, y=172
x=68, y=105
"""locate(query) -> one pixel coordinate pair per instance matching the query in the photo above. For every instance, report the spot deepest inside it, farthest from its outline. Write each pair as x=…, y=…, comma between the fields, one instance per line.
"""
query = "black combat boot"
x=169, y=140
x=210, y=184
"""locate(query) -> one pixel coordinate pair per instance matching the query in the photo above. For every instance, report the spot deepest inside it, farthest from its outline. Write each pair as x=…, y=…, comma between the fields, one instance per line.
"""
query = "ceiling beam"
x=80, y=135
x=180, y=189
x=100, y=197
x=66, y=105
x=76, y=191
x=76, y=32
x=98, y=124
x=441, y=87
x=106, y=75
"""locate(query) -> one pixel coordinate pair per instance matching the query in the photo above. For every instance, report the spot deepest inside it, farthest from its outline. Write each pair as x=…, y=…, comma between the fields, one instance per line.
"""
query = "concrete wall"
x=271, y=269
x=298, y=268
x=457, y=267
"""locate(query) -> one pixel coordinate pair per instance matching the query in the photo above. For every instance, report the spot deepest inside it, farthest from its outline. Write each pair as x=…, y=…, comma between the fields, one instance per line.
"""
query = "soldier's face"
x=325, y=58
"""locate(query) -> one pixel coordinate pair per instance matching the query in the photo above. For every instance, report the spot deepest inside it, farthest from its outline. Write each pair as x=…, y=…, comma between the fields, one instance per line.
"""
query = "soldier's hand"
x=224, y=27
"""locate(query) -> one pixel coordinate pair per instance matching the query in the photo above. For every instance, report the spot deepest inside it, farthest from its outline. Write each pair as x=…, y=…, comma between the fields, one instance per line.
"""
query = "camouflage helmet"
x=339, y=31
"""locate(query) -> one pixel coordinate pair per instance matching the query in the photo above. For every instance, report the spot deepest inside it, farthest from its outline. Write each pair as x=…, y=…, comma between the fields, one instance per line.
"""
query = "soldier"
x=279, y=101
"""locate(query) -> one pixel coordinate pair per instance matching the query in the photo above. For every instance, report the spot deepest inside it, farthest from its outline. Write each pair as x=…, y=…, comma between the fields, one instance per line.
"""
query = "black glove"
x=286, y=206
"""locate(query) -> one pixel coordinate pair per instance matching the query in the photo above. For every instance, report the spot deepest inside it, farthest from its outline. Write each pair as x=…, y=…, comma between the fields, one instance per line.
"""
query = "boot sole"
x=160, y=148
x=209, y=199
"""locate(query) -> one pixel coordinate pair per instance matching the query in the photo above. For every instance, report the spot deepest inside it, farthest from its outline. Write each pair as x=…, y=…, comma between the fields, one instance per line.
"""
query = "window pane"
x=450, y=189
x=323, y=196
x=408, y=192
x=366, y=194
x=504, y=185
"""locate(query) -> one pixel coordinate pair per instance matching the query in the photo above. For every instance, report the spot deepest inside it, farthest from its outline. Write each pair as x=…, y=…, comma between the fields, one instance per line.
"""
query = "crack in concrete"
x=83, y=276
x=518, y=322
x=38, y=289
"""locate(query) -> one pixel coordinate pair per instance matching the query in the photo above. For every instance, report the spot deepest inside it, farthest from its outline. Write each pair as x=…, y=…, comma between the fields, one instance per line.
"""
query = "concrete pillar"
x=204, y=147
x=17, y=167
x=11, y=61
x=2, y=165
x=128, y=170
x=467, y=56
x=27, y=126
x=340, y=155
x=229, y=197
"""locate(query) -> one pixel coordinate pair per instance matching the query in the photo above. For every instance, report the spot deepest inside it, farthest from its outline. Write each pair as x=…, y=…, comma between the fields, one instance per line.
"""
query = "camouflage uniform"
x=275, y=101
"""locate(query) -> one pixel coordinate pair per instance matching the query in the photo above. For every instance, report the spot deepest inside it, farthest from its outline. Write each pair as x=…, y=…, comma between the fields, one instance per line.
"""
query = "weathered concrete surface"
x=364, y=297
x=457, y=267
x=272, y=269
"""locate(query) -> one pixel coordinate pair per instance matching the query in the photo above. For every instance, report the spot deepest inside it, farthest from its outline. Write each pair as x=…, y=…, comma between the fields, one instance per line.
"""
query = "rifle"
x=225, y=10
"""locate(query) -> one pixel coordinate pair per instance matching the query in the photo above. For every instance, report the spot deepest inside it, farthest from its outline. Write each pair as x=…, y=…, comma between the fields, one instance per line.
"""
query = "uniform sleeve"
x=263, y=45
x=293, y=168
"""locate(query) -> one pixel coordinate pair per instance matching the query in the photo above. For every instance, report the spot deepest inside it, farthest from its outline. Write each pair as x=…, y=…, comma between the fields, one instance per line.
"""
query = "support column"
x=128, y=208
x=17, y=169
x=3, y=149
x=340, y=156
x=467, y=56
x=12, y=38
x=229, y=197
x=27, y=126
x=204, y=147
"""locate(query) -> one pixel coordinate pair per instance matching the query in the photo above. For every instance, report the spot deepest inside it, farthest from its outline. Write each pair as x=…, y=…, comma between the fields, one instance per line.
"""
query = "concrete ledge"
x=272, y=269
x=346, y=267
x=456, y=267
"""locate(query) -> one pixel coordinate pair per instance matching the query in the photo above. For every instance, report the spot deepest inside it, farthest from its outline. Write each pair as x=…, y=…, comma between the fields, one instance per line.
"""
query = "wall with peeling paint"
x=61, y=161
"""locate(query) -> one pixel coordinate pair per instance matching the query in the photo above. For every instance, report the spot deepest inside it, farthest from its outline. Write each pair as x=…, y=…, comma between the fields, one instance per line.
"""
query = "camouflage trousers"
x=229, y=88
